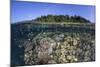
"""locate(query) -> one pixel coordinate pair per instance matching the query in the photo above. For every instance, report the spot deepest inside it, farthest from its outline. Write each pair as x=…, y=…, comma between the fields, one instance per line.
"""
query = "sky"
x=21, y=11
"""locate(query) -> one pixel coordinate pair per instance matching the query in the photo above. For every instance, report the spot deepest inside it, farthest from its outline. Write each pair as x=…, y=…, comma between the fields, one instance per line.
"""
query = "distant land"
x=58, y=19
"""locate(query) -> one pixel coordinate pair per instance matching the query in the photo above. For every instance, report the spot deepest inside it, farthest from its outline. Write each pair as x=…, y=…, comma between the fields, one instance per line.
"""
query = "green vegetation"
x=62, y=18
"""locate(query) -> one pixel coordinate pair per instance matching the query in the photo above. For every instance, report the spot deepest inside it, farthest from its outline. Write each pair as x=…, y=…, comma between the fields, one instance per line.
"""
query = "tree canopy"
x=62, y=18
